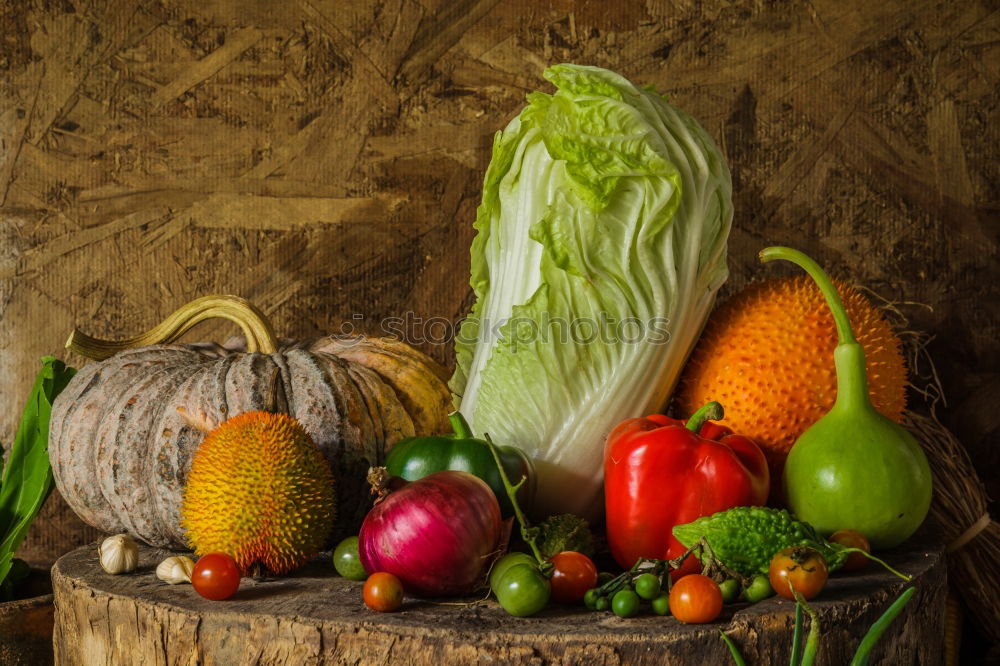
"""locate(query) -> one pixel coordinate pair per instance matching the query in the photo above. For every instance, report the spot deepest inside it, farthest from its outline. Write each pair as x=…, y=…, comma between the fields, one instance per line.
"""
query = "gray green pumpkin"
x=124, y=430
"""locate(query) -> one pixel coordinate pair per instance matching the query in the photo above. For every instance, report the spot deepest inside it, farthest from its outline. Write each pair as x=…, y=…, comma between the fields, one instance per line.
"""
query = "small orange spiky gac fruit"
x=767, y=356
x=261, y=491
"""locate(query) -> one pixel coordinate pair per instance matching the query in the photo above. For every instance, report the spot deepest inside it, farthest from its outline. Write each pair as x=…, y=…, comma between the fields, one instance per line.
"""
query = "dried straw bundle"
x=959, y=503
x=959, y=509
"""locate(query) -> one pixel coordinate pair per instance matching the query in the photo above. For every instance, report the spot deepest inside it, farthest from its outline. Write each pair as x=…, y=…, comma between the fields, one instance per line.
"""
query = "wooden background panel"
x=325, y=159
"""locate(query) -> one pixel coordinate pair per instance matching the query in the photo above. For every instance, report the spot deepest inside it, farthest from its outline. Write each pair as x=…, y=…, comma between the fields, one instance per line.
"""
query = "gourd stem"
x=849, y=356
x=256, y=328
x=822, y=280
x=460, y=426
x=708, y=411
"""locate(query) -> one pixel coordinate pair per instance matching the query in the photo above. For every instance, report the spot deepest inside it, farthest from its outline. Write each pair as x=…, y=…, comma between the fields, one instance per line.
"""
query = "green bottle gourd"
x=854, y=468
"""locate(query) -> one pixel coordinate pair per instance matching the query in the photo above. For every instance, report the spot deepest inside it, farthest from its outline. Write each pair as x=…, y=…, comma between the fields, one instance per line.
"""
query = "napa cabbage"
x=601, y=244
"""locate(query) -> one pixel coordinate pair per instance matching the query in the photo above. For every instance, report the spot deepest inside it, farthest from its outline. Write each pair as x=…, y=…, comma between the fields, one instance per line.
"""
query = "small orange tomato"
x=383, y=592
x=695, y=599
x=852, y=539
x=799, y=566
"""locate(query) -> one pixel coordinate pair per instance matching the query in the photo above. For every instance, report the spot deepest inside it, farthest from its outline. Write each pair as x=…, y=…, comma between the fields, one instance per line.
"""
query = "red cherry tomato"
x=216, y=576
x=573, y=574
x=383, y=592
x=695, y=599
x=799, y=566
x=852, y=539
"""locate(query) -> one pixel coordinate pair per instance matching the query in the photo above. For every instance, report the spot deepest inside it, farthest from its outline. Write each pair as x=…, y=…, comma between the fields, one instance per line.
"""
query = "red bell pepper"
x=659, y=472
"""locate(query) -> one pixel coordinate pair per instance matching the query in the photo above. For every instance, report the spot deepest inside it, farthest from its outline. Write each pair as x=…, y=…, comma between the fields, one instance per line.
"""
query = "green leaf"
x=602, y=204
x=27, y=478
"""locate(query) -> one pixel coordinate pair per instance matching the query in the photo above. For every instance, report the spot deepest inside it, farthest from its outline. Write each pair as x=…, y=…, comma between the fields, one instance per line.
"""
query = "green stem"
x=849, y=356
x=733, y=650
x=710, y=411
x=616, y=583
x=797, y=637
x=812, y=640
x=512, y=489
x=460, y=426
x=875, y=632
x=875, y=559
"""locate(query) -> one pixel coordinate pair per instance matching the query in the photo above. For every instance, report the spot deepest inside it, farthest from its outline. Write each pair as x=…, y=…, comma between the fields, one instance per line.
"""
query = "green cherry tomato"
x=590, y=598
x=759, y=589
x=522, y=590
x=506, y=562
x=346, y=560
x=730, y=589
x=661, y=604
x=625, y=603
x=602, y=604
x=647, y=586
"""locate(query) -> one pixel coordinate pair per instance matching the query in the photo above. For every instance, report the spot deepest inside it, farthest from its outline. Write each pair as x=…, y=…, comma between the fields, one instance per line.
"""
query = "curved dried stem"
x=256, y=328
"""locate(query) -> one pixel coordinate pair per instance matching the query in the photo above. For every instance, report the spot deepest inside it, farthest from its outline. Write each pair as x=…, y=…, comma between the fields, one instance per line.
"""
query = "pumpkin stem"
x=256, y=328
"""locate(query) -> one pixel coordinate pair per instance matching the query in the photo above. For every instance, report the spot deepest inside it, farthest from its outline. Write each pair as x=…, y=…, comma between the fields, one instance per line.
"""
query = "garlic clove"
x=118, y=554
x=175, y=569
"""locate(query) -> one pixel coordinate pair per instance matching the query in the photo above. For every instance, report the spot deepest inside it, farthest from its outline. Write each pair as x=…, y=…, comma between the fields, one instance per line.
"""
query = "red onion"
x=436, y=534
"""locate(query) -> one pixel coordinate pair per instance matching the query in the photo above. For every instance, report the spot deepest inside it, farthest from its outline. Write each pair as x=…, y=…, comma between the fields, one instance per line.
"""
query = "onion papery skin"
x=438, y=535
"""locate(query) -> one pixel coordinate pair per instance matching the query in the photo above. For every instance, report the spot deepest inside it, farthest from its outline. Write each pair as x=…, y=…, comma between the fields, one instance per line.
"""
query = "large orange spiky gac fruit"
x=260, y=490
x=767, y=356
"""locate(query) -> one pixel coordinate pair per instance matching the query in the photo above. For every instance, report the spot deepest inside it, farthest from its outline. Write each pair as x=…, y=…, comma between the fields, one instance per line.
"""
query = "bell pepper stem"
x=526, y=532
x=460, y=426
x=711, y=411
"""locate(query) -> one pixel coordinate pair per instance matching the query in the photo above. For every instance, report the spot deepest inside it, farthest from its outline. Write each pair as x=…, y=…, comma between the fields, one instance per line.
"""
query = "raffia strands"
x=959, y=502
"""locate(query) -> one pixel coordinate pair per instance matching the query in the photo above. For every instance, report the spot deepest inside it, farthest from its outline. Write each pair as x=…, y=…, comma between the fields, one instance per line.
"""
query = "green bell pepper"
x=416, y=457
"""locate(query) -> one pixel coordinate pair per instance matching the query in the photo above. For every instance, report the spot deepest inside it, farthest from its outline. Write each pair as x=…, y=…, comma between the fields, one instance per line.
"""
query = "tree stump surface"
x=316, y=617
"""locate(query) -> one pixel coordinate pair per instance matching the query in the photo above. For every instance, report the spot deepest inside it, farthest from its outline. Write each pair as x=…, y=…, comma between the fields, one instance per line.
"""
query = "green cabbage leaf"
x=601, y=244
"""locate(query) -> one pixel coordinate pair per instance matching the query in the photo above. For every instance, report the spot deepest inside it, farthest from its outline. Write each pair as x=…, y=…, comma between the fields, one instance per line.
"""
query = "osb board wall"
x=324, y=159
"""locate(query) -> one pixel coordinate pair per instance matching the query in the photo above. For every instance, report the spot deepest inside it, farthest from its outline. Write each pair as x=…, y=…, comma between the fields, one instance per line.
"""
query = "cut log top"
x=316, y=617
